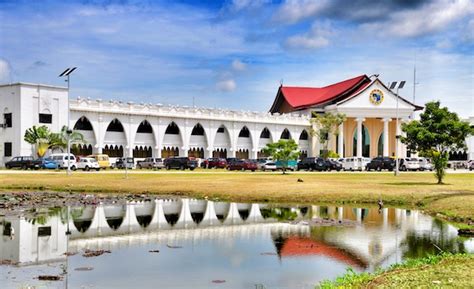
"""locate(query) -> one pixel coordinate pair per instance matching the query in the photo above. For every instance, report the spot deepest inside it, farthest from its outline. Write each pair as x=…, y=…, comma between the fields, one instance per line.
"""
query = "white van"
x=61, y=160
x=353, y=164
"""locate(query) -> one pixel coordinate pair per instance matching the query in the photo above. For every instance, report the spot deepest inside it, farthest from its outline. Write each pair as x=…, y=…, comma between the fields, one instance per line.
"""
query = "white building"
x=141, y=129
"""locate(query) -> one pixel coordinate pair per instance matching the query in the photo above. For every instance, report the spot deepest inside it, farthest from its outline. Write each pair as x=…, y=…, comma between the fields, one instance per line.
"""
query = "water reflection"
x=245, y=244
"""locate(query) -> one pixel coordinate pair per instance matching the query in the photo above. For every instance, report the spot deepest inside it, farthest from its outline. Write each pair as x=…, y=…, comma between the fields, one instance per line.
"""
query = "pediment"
x=375, y=95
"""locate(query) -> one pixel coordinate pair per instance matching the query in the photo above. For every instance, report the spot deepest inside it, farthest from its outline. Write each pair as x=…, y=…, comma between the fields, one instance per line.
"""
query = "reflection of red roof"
x=297, y=246
x=303, y=97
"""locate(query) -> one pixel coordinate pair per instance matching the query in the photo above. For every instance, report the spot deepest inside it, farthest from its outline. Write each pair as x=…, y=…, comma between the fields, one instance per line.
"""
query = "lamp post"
x=397, y=137
x=66, y=73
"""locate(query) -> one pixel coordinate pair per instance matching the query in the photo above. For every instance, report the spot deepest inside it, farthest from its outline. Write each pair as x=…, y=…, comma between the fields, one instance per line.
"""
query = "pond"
x=187, y=243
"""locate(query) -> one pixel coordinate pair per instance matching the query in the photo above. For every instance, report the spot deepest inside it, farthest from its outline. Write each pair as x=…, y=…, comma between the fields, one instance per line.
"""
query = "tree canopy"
x=283, y=151
x=44, y=139
x=326, y=124
x=436, y=133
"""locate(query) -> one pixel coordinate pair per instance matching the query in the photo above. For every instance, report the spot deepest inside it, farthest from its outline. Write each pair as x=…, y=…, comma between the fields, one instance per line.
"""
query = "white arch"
x=226, y=142
x=85, y=133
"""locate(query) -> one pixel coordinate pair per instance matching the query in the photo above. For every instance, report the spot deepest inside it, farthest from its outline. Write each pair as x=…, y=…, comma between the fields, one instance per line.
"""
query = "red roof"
x=303, y=97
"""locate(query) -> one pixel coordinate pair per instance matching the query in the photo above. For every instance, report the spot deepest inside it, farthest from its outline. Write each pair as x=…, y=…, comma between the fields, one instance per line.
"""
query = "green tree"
x=283, y=151
x=326, y=124
x=59, y=140
x=436, y=133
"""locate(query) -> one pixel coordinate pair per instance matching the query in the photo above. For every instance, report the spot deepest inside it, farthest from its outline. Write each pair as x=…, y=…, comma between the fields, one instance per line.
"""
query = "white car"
x=87, y=164
x=62, y=160
x=409, y=164
x=353, y=164
x=269, y=166
x=425, y=164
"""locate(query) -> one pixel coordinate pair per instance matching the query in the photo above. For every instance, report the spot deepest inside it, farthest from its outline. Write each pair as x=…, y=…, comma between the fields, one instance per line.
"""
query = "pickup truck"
x=23, y=162
x=151, y=163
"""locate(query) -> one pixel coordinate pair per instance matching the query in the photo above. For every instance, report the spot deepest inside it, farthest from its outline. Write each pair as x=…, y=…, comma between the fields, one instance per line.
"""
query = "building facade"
x=374, y=117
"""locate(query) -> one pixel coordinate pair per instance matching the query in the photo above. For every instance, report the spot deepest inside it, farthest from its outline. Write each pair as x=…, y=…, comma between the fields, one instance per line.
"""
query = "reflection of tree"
x=42, y=217
x=431, y=242
x=280, y=214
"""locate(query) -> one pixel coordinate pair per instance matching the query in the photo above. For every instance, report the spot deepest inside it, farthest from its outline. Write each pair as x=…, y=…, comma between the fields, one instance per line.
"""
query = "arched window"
x=244, y=132
x=365, y=142
x=115, y=125
x=198, y=130
x=265, y=133
x=380, y=146
x=145, y=127
x=304, y=135
x=285, y=134
x=83, y=124
x=172, y=128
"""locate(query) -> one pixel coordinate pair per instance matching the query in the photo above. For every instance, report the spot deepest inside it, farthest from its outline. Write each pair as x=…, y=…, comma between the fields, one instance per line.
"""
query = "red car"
x=210, y=163
x=242, y=165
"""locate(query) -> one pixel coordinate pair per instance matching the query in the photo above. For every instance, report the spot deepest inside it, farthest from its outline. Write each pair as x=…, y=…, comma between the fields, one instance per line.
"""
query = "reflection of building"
x=26, y=241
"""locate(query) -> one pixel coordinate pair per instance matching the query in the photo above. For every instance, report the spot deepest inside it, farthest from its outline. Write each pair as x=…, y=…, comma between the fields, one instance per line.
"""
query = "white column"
x=385, y=136
x=340, y=151
x=359, y=136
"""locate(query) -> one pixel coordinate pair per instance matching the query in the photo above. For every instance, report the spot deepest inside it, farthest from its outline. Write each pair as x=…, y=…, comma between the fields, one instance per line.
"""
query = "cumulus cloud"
x=5, y=71
x=238, y=65
x=293, y=11
x=226, y=85
x=429, y=18
x=318, y=37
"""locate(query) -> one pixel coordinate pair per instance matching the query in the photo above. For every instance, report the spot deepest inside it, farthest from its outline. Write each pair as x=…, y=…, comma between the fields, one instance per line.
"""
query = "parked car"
x=23, y=162
x=381, y=163
x=312, y=164
x=181, y=163
x=409, y=164
x=62, y=160
x=151, y=163
x=291, y=165
x=102, y=159
x=122, y=163
x=214, y=163
x=333, y=165
x=87, y=164
x=470, y=165
x=242, y=165
x=269, y=166
x=425, y=164
x=353, y=164
x=48, y=163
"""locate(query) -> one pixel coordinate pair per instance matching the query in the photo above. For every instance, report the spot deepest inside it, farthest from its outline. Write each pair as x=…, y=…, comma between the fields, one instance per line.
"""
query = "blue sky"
x=234, y=54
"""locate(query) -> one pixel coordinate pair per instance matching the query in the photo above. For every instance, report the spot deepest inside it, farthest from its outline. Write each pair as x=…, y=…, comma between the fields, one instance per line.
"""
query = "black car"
x=23, y=162
x=181, y=163
x=381, y=163
x=312, y=164
x=333, y=165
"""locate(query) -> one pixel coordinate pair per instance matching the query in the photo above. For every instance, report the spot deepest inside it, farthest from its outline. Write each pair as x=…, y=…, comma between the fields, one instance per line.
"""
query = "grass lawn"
x=454, y=200
x=445, y=271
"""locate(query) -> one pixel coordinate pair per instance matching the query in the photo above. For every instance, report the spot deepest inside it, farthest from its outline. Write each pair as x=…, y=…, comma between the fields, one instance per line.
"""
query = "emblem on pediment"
x=376, y=96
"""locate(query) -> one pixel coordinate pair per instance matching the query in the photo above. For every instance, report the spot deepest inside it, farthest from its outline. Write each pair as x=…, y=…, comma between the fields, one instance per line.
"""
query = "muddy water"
x=185, y=243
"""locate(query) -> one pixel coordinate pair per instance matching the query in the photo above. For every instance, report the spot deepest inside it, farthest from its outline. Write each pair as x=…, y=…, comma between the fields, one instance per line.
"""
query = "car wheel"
x=97, y=169
x=253, y=170
x=87, y=168
x=8, y=167
x=191, y=169
x=73, y=168
x=24, y=167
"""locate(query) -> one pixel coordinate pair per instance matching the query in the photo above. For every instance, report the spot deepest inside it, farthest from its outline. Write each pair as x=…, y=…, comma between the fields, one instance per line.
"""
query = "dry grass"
x=408, y=189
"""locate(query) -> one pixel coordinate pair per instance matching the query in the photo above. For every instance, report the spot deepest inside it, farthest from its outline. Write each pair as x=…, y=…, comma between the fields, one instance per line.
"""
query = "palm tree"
x=59, y=140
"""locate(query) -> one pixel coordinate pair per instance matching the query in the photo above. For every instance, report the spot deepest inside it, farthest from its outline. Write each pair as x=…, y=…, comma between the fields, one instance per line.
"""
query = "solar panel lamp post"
x=397, y=136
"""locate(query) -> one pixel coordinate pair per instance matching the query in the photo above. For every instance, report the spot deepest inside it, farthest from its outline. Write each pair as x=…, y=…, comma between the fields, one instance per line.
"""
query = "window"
x=7, y=119
x=8, y=149
x=45, y=118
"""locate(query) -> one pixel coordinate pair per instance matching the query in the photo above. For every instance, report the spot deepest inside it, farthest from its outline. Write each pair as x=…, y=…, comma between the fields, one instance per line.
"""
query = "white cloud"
x=5, y=71
x=226, y=85
x=238, y=5
x=238, y=65
x=318, y=37
x=429, y=18
x=293, y=11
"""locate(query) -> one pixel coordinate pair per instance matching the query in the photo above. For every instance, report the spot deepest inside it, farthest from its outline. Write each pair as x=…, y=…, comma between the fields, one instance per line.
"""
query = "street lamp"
x=397, y=137
x=66, y=73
